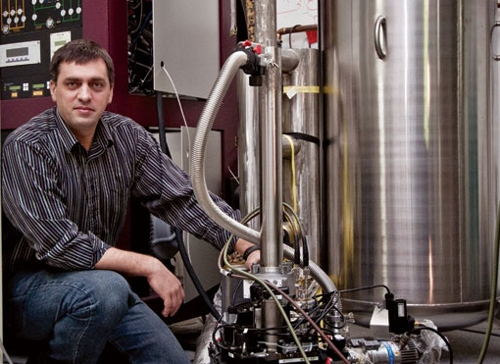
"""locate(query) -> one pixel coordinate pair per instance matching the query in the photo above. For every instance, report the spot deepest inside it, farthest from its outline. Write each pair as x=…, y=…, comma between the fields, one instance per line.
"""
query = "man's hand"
x=169, y=288
x=161, y=280
x=253, y=258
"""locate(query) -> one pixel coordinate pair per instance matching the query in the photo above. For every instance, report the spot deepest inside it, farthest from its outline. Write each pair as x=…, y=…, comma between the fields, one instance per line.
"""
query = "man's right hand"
x=169, y=288
x=162, y=281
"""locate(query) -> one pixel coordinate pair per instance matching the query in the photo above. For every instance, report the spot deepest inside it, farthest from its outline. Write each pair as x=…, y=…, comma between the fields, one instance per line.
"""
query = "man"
x=68, y=175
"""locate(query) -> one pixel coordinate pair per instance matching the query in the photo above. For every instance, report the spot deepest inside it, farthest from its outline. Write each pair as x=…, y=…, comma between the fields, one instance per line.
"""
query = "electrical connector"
x=399, y=320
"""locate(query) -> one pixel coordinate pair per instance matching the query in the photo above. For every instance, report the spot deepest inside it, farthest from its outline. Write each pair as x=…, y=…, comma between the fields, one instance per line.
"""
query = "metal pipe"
x=287, y=148
x=271, y=152
x=270, y=130
x=290, y=59
x=234, y=28
x=296, y=29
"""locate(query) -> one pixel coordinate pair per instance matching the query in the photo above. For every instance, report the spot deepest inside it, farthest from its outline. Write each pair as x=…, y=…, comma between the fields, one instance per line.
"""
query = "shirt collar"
x=68, y=138
x=103, y=135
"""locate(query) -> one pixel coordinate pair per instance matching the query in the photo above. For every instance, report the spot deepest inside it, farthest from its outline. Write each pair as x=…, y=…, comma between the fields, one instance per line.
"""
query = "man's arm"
x=160, y=279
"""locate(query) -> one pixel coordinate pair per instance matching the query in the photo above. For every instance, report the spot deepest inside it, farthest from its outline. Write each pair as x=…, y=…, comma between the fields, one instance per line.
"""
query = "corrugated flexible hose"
x=198, y=179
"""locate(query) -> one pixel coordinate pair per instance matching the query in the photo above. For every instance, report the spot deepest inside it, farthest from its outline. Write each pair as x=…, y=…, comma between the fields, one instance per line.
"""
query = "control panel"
x=31, y=31
x=18, y=54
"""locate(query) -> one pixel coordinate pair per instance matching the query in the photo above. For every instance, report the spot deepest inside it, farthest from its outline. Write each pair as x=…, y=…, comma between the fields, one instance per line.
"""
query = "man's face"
x=82, y=93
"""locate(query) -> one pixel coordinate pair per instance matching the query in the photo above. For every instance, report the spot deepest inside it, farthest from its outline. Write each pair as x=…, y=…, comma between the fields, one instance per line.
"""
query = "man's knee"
x=65, y=306
x=100, y=293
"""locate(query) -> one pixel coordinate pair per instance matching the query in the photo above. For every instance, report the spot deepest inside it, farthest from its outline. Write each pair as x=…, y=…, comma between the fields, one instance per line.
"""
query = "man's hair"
x=81, y=51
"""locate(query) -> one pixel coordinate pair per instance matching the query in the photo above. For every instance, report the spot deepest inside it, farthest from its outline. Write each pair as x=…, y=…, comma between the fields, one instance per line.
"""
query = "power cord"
x=178, y=101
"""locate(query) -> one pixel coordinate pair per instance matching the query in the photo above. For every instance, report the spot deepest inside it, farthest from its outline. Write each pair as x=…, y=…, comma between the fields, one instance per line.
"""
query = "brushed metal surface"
x=301, y=121
x=300, y=115
x=411, y=193
x=249, y=173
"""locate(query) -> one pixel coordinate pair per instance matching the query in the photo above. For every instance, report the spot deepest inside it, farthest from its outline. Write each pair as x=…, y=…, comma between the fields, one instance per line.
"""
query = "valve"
x=253, y=66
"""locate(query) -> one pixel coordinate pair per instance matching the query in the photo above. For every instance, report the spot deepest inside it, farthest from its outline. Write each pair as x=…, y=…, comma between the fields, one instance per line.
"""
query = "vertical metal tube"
x=270, y=153
x=270, y=130
x=249, y=149
x=300, y=115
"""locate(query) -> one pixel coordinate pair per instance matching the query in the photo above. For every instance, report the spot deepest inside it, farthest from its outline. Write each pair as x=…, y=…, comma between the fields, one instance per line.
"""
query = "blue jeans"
x=77, y=313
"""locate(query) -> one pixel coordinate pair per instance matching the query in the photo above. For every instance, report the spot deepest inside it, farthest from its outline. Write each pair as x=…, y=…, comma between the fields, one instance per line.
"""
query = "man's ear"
x=53, y=86
x=110, y=95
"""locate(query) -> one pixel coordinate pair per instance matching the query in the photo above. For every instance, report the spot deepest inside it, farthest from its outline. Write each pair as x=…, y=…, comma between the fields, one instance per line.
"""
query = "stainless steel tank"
x=410, y=195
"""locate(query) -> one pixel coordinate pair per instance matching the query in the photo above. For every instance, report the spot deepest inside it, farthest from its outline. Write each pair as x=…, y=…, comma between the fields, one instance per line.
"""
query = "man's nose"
x=85, y=93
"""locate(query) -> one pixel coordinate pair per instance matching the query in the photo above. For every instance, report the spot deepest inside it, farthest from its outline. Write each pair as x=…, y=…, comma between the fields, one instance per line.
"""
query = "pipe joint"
x=254, y=65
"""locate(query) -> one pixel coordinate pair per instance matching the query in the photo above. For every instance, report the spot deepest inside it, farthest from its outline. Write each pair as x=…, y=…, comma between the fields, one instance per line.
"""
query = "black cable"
x=193, y=276
x=214, y=339
x=283, y=332
x=365, y=288
x=321, y=310
x=296, y=252
x=331, y=304
x=313, y=324
x=312, y=314
x=417, y=331
x=305, y=251
x=161, y=125
x=290, y=34
x=298, y=235
x=302, y=136
x=141, y=29
x=178, y=232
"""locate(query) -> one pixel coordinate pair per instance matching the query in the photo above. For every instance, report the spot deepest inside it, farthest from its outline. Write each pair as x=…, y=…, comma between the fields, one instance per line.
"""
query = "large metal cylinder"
x=411, y=198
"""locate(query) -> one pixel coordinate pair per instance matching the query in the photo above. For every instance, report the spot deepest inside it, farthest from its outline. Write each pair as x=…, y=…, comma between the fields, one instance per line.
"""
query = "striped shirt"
x=68, y=204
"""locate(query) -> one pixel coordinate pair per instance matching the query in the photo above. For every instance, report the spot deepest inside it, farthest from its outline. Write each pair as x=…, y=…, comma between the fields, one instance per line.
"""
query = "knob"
x=49, y=23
